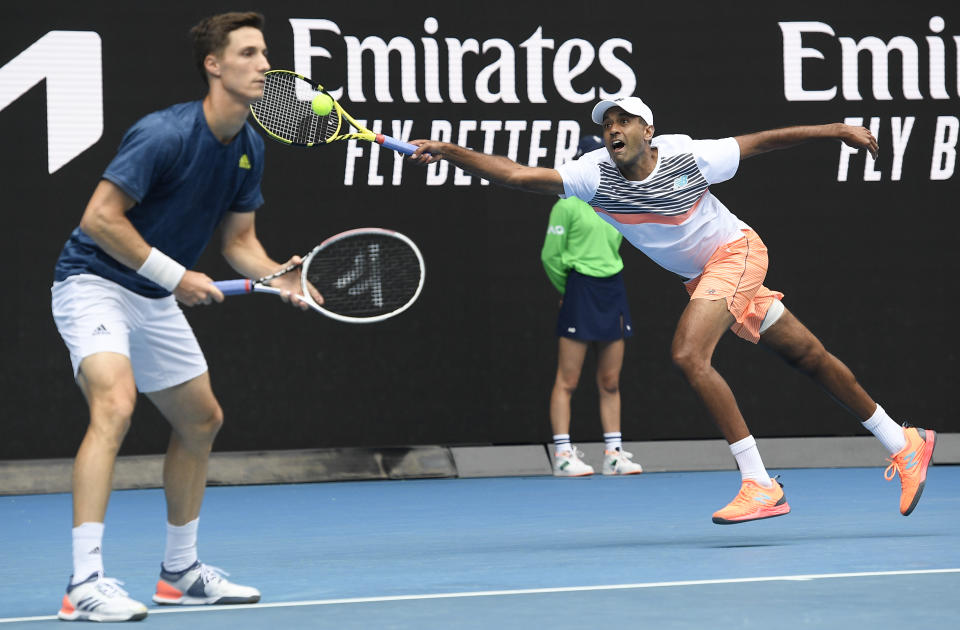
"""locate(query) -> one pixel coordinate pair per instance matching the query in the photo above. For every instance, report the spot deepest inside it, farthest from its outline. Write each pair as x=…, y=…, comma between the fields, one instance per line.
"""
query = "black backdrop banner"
x=864, y=250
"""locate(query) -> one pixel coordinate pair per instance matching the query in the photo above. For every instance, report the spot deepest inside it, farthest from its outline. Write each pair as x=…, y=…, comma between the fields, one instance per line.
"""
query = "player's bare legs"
x=106, y=380
x=609, y=364
x=196, y=417
x=570, y=356
x=616, y=461
x=701, y=325
x=796, y=345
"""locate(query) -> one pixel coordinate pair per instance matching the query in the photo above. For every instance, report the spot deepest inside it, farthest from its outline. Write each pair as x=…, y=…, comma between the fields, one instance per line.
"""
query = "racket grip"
x=392, y=143
x=234, y=287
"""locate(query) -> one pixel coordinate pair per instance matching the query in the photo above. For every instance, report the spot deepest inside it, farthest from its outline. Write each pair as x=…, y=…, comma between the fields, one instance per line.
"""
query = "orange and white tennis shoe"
x=201, y=584
x=912, y=462
x=99, y=598
x=754, y=502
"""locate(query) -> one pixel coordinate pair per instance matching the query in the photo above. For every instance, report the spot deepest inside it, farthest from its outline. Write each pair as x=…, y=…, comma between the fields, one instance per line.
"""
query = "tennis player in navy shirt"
x=179, y=174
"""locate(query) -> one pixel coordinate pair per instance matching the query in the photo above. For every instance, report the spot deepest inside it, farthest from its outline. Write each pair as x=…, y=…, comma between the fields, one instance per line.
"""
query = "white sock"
x=613, y=440
x=887, y=431
x=561, y=443
x=87, y=551
x=748, y=460
x=181, y=549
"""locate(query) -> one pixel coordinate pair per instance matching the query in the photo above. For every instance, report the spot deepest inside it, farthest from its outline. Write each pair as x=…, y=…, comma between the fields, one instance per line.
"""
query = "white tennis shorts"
x=97, y=315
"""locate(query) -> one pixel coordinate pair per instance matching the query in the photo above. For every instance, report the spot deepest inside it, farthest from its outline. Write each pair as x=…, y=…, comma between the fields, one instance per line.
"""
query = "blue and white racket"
x=364, y=275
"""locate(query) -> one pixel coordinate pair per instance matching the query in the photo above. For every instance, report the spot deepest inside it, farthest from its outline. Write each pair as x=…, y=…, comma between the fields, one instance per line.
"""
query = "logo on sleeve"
x=244, y=162
x=555, y=229
x=680, y=182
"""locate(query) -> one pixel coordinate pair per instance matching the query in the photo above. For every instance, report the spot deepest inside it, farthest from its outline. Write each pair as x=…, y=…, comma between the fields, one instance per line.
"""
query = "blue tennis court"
x=522, y=551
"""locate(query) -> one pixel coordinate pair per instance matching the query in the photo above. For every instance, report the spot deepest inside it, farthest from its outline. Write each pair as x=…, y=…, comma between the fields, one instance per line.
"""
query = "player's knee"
x=609, y=382
x=689, y=361
x=811, y=359
x=204, y=428
x=213, y=422
x=567, y=381
x=110, y=415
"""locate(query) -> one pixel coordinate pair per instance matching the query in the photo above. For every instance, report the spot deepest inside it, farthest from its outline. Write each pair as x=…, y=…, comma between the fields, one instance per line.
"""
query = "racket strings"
x=285, y=111
x=365, y=276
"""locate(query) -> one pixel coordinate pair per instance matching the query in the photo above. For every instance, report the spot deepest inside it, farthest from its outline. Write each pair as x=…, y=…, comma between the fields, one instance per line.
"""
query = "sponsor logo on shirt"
x=244, y=162
x=555, y=229
x=680, y=182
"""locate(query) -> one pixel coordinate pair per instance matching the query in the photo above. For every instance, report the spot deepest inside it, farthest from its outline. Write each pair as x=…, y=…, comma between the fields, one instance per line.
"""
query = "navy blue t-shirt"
x=184, y=180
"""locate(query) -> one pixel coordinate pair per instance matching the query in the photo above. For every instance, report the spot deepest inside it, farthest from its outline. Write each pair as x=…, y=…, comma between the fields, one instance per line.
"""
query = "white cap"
x=630, y=104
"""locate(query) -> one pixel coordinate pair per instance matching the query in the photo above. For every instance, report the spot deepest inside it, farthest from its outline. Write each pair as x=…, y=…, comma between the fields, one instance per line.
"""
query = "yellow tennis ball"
x=321, y=105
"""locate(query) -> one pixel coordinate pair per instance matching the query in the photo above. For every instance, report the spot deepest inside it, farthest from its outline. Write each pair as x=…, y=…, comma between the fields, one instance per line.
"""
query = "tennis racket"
x=284, y=112
x=364, y=275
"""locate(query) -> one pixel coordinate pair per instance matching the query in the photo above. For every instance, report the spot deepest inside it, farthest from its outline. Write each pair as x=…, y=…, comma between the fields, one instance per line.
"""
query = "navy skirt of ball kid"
x=594, y=309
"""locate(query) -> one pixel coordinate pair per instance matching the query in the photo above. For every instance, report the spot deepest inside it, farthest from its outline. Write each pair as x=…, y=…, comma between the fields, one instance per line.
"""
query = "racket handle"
x=234, y=287
x=392, y=143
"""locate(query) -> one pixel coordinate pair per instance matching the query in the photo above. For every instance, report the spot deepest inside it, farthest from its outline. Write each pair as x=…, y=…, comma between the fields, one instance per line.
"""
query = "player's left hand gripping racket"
x=364, y=275
x=286, y=115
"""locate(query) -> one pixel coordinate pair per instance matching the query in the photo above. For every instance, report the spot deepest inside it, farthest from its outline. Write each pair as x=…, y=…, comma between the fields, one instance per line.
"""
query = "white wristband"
x=162, y=269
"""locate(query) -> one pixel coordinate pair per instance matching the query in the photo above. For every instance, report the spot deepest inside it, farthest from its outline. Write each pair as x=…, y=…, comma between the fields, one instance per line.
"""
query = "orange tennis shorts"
x=735, y=273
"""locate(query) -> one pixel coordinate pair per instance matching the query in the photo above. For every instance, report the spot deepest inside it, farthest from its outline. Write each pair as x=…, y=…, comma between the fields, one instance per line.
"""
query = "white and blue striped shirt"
x=670, y=216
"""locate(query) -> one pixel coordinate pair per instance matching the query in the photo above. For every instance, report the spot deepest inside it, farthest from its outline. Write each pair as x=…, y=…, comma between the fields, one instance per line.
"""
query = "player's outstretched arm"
x=763, y=141
x=496, y=168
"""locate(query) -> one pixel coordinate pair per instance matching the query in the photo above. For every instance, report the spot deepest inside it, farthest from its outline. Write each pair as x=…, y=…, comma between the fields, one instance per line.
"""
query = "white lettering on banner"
x=794, y=53
x=514, y=127
x=440, y=130
x=880, y=53
x=373, y=176
x=563, y=74
x=467, y=133
x=503, y=69
x=401, y=131
x=502, y=72
x=899, y=136
x=900, y=129
x=489, y=129
x=568, y=132
x=70, y=62
x=845, y=151
x=535, y=46
x=909, y=55
x=944, y=148
x=870, y=173
x=381, y=53
x=304, y=51
x=460, y=177
x=536, y=151
x=431, y=62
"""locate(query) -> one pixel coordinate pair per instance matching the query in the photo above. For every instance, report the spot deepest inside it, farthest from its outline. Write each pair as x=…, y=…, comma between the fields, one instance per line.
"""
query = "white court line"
x=521, y=591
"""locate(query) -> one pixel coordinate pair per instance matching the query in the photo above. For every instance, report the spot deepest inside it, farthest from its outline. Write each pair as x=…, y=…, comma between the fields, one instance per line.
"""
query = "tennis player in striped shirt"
x=655, y=191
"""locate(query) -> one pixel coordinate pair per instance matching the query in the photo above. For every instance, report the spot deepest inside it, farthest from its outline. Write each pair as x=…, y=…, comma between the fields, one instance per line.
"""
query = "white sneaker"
x=99, y=598
x=617, y=462
x=569, y=464
x=201, y=584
